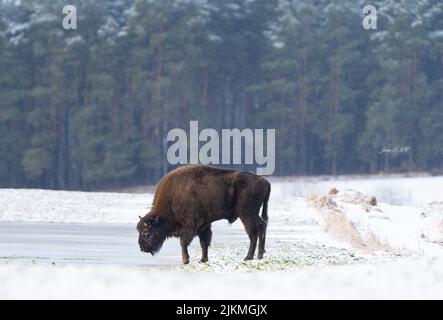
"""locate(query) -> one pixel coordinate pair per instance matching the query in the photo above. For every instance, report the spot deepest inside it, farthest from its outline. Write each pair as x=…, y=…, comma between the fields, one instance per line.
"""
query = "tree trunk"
x=205, y=86
x=303, y=103
x=158, y=105
x=335, y=108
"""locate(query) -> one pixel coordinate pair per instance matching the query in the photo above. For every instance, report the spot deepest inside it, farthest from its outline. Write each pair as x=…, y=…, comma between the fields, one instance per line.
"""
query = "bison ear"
x=158, y=220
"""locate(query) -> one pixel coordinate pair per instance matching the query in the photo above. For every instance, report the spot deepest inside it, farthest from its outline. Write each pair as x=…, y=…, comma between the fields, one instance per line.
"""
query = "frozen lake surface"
x=88, y=244
x=99, y=244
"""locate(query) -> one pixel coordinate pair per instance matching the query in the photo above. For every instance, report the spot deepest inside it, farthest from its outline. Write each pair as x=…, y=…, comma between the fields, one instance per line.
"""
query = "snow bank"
x=432, y=222
x=359, y=219
x=28, y=205
x=394, y=190
x=422, y=279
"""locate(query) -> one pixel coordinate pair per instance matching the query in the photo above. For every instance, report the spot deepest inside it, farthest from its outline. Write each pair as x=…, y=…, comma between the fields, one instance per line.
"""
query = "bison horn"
x=140, y=218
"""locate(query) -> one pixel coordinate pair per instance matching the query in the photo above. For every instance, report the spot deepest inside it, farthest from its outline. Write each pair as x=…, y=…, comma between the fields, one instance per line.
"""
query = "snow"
x=383, y=226
x=78, y=39
x=109, y=28
x=408, y=214
x=395, y=190
x=409, y=279
x=344, y=237
x=27, y=205
x=437, y=34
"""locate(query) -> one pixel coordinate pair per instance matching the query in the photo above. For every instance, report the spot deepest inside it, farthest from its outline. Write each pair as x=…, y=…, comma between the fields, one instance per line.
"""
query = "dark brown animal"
x=190, y=198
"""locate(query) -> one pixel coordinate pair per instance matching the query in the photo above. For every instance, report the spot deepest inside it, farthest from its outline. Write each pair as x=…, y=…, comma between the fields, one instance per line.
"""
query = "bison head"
x=152, y=233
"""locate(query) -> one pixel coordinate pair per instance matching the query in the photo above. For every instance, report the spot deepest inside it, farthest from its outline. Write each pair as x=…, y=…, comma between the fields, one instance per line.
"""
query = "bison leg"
x=252, y=244
x=205, y=241
x=251, y=230
x=184, y=242
x=261, y=238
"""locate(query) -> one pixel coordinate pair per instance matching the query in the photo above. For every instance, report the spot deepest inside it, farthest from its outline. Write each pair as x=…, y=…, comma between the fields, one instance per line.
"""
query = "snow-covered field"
x=358, y=237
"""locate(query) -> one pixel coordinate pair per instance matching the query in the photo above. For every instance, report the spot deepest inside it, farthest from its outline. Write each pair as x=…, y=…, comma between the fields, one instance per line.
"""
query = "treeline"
x=90, y=108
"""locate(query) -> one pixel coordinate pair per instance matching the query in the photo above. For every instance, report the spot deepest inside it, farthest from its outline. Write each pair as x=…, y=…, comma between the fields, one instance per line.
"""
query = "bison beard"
x=190, y=198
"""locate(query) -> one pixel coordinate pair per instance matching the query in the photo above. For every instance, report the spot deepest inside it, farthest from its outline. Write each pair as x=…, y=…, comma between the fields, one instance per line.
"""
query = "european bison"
x=190, y=198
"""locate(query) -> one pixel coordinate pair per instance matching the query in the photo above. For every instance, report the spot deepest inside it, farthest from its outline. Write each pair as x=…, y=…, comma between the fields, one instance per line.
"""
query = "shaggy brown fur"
x=190, y=198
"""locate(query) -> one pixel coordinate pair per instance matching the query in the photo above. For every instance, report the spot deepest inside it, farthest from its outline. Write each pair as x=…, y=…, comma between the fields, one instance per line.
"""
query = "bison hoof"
x=185, y=261
x=248, y=258
x=204, y=260
x=260, y=256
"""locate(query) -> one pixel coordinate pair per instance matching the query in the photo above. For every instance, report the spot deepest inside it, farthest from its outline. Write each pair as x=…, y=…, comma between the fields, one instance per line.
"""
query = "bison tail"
x=264, y=213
